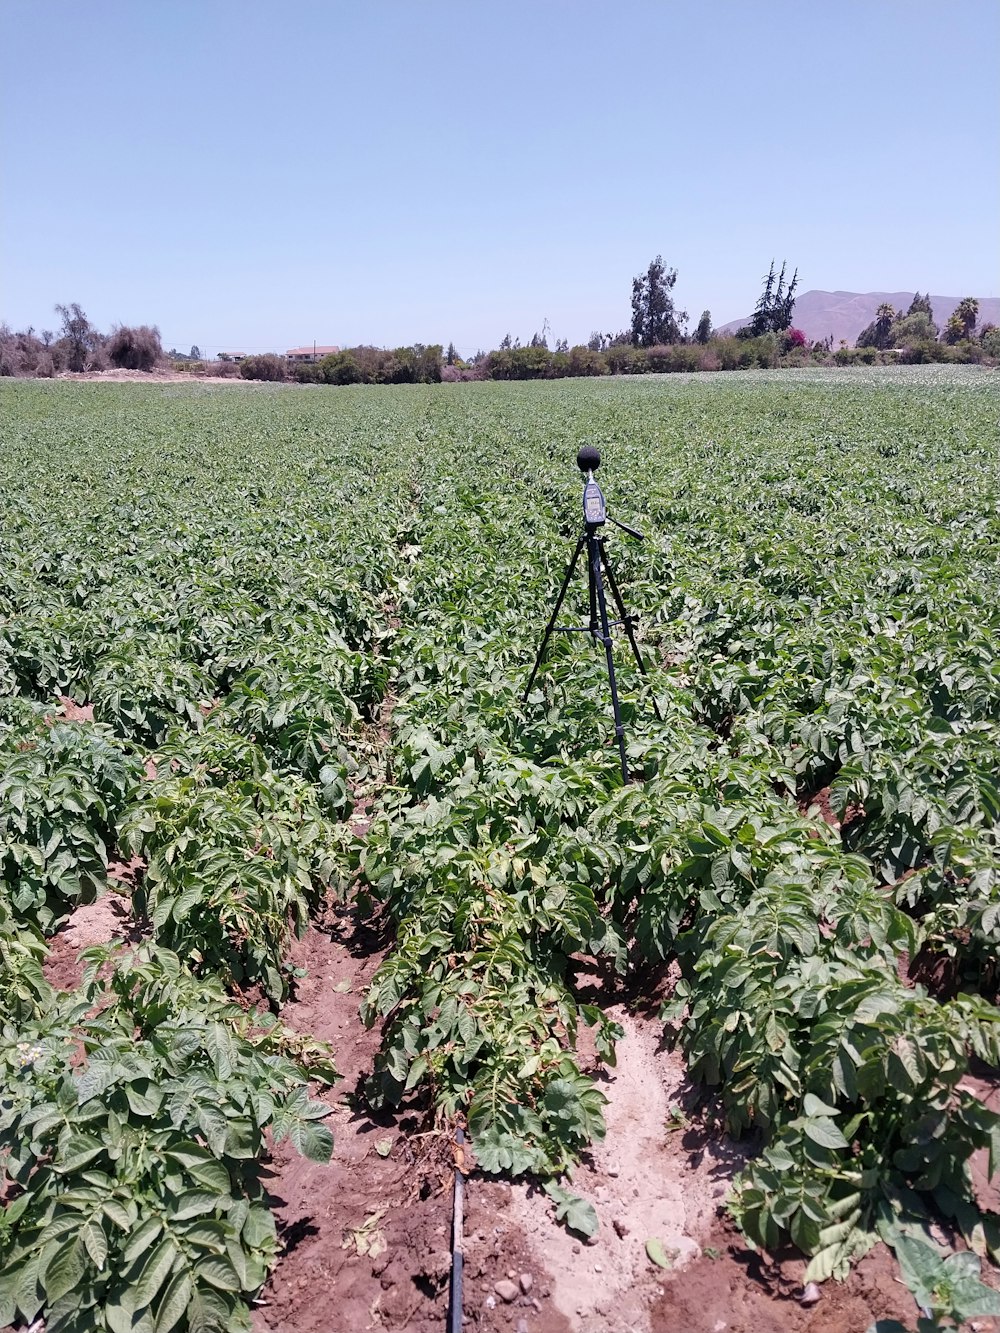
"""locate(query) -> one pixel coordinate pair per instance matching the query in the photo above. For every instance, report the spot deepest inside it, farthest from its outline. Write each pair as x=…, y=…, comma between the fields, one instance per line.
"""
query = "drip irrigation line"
x=457, y=1258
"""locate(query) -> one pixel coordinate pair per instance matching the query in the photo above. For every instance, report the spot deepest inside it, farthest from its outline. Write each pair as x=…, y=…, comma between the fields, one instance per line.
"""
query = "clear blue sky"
x=258, y=175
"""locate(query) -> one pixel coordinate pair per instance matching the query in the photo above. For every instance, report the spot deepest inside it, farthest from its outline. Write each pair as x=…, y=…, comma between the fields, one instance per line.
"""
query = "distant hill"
x=845, y=314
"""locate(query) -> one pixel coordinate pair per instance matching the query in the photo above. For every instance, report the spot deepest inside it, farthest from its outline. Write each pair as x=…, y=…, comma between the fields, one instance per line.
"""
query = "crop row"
x=191, y=652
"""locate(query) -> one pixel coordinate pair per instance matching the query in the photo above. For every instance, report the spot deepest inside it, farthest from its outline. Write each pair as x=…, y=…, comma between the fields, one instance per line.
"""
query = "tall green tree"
x=773, y=313
x=921, y=304
x=962, y=324
x=879, y=331
x=654, y=318
x=704, y=330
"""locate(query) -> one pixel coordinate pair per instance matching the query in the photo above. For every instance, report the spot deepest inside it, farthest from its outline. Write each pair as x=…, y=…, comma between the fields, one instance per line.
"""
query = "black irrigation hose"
x=457, y=1259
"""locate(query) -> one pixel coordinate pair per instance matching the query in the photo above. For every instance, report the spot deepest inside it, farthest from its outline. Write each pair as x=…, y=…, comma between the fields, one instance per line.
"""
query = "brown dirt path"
x=367, y=1236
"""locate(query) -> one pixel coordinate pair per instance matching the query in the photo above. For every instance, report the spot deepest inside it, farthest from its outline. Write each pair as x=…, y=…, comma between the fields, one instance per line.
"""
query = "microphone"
x=588, y=459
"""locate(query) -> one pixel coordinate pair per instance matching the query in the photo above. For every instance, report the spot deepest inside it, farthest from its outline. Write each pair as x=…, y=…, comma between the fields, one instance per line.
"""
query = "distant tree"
x=913, y=329
x=655, y=322
x=47, y=336
x=134, y=348
x=879, y=332
x=773, y=313
x=538, y=340
x=506, y=343
x=562, y=344
x=962, y=323
x=195, y=352
x=921, y=304
x=598, y=341
x=704, y=330
x=519, y=363
x=81, y=338
x=339, y=368
x=451, y=356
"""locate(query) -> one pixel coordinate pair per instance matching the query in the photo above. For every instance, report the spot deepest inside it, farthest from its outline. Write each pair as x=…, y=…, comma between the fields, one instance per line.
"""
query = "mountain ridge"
x=842, y=315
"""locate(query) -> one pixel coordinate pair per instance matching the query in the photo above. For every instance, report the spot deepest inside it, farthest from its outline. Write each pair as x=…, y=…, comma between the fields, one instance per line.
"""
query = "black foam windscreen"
x=588, y=459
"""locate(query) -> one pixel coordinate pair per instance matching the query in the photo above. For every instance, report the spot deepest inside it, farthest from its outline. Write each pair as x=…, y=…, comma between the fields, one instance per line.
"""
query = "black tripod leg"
x=593, y=600
x=555, y=615
x=597, y=583
x=627, y=622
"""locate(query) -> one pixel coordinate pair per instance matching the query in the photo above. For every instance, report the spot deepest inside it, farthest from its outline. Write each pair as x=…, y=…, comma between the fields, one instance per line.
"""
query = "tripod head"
x=595, y=509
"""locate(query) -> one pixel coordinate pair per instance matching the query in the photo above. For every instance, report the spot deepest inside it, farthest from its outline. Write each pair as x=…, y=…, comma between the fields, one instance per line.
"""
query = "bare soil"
x=161, y=375
x=109, y=918
x=367, y=1236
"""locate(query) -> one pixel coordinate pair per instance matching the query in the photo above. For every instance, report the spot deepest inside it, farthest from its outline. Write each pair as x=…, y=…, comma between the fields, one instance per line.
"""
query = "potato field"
x=262, y=656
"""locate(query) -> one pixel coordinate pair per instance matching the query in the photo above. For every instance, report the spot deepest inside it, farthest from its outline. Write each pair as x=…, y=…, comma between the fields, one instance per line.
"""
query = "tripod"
x=595, y=515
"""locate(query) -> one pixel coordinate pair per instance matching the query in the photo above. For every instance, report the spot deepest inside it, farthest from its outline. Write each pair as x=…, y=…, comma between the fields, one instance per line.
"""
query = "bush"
x=338, y=368
x=519, y=363
x=461, y=374
x=306, y=372
x=135, y=348
x=856, y=356
x=264, y=367
x=796, y=359
x=728, y=351
x=624, y=359
x=586, y=361
x=227, y=370
x=990, y=341
x=20, y=352
x=922, y=351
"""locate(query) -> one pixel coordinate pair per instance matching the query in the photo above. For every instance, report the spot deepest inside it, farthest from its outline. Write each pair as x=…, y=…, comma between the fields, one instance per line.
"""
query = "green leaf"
x=154, y=1272
x=213, y=1176
x=80, y=1150
x=812, y=1106
x=219, y=1273
x=96, y=1242
x=64, y=1270
x=117, y=1212
x=314, y=1141
x=141, y=1239
x=213, y=1124
x=576, y=1213
x=174, y=1304
x=657, y=1253
x=194, y=1203
x=824, y=1132
x=219, y=1044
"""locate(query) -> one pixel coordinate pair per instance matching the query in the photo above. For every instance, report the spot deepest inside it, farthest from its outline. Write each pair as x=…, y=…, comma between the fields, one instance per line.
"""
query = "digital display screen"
x=593, y=503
